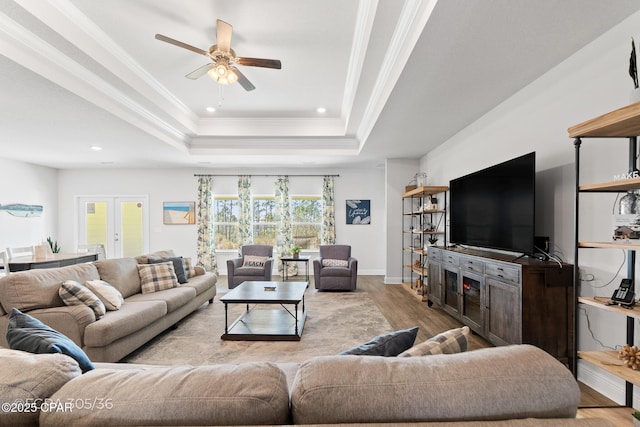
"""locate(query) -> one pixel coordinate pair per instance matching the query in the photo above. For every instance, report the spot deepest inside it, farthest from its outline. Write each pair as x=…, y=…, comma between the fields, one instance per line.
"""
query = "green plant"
x=295, y=250
x=53, y=245
x=633, y=68
x=636, y=415
x=432, y=239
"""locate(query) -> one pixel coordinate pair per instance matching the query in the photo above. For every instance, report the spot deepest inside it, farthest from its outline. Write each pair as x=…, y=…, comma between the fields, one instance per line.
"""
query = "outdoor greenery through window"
x=226, y=222
x=264, y=220
x=306, y=221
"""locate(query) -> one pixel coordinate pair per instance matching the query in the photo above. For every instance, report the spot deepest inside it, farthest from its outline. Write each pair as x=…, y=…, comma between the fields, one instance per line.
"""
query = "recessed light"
x=321, y=110
x=96, y=148
x=210, y=109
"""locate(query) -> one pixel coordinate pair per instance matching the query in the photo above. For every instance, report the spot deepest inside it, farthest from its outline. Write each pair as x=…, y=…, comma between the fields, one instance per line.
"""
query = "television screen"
x=495, y=207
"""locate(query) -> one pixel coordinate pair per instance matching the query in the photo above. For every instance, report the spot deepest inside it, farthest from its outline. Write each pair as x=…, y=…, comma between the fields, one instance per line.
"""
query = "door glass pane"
x=131, y=236
x=471, y=296
x=451, y=289
x=96, y=220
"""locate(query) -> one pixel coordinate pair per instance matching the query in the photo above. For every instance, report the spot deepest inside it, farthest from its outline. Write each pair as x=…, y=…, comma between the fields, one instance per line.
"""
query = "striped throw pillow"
x=157, y=277
x=73, y=293
x=449, y=342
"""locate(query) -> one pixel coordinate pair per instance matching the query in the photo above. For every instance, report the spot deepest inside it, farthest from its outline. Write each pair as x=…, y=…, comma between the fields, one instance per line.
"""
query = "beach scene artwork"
x=22, y=210
x=179, y=213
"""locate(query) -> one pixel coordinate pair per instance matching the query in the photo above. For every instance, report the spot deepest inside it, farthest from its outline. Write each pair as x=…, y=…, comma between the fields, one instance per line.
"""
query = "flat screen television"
x=495, y=207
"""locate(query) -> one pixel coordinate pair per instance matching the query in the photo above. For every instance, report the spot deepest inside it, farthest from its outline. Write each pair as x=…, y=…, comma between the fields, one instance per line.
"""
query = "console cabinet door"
x=503, y=313
x=473, y=305
x=451, y=300
x=434, y=280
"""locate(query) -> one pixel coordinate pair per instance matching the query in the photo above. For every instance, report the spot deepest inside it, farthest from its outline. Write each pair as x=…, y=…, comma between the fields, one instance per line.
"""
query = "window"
x=264, y=220
x=306, y=220
x=226, y=222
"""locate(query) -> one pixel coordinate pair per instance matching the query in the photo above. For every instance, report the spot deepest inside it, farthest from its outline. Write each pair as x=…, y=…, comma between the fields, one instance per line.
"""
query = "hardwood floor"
x=403, y=310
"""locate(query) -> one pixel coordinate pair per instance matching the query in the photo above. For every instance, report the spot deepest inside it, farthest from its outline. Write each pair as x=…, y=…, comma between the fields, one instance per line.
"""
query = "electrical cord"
x=615, y=276
x=586, y=314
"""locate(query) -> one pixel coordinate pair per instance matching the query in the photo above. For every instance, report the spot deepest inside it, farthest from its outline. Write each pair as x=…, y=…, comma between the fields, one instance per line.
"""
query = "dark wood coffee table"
x=260, y=324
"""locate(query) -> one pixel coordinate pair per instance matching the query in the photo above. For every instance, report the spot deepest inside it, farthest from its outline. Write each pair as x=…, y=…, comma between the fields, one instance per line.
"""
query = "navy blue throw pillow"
x=27, y=333
x=178, y=266
x=388, y=345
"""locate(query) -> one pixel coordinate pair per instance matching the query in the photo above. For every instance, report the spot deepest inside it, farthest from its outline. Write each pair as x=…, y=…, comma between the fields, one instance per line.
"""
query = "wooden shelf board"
x=619, y=244
x=412, y=291
x=600, y=303
x=612, y=186
x=415, y=250
x=424, y=191
x=420, y=271
x=608, y=361
x=623, y=122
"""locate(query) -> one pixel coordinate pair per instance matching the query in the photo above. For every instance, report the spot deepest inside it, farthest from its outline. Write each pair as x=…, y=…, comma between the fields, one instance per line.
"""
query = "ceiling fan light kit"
x=223, y=69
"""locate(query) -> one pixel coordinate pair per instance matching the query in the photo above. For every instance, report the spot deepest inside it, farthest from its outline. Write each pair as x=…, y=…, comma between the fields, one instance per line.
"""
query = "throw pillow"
x=157, y=277
x=254, y=261
x=328, y=262
x=178, y=267
x=386, y=345
x=73, y=293
x=449, y=342
x=27, y=333
x=110, y=296
x=190, y=267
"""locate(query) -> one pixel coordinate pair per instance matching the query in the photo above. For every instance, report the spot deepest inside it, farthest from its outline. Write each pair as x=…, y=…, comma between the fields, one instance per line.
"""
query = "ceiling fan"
x=223, y=68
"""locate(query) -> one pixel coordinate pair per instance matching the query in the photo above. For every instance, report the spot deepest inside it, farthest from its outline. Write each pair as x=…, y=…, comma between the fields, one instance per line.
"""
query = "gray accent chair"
x=335, y=278
x=237, y=274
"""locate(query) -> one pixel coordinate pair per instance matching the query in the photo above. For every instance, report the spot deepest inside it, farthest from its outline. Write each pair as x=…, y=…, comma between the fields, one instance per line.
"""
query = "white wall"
x=367, y=241
x=591, y=82
x=28, y=184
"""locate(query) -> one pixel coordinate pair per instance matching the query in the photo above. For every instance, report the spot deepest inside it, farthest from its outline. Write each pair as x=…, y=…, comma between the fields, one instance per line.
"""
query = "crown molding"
x=270, y=127
x=273, y=146
x=33, y=53
x=413, y=19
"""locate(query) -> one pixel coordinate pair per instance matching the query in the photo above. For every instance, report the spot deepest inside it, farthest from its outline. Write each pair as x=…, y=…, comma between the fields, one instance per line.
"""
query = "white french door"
x=119, y=223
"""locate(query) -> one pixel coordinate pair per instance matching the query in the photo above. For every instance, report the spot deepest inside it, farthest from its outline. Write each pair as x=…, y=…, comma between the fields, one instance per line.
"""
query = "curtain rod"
x=265, y=175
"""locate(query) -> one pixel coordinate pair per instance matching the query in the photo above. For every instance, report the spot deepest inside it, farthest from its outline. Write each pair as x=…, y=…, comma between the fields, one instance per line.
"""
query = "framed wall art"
x=358, y=212
x=175, y=213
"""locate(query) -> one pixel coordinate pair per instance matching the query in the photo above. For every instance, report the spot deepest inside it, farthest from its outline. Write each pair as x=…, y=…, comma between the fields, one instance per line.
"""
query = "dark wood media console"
x=505, y=300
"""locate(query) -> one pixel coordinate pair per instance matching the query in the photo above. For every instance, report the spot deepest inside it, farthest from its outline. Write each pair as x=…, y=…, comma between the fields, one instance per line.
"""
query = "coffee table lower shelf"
x=266, y=325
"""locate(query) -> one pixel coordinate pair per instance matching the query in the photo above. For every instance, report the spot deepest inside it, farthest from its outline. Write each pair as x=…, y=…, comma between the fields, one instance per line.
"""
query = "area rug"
x=336, y=321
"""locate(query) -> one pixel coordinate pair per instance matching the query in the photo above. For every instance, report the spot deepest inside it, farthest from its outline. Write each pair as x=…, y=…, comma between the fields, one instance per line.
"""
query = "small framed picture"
x=358, y=212
x=175, y=213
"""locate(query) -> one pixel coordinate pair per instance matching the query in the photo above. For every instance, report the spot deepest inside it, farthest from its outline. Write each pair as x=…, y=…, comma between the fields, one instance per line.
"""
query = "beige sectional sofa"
x=517, y=385
x=118, y=333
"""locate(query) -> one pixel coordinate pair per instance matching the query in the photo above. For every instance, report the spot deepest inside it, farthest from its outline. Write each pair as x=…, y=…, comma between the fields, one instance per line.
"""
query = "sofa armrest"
x=70, y=321
x=199, y=270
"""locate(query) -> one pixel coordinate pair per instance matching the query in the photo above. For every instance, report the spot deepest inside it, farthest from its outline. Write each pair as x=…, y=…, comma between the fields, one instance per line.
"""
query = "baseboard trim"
x=389, y=280
x=608, y=385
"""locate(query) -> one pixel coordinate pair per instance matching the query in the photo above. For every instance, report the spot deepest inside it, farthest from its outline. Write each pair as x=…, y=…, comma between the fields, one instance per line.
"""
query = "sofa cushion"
x=28, y=290
x=201, y=283
x=27, y=377
x=110, y=296
x=27, y=333
x=245, y=394
x=178, y=267
x=144, y=259
x=121, y=273
x=249, y=271
x=529, y=382
x=157, y=277
x=390, y=344
x=174, y=297
x=73, y=293
x=131, y=317
x=335, y=272
x=448, y=342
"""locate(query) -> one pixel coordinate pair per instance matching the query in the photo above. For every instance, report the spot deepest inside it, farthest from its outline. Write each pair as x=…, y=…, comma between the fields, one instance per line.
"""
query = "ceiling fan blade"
x=223, y=35
x=259, y=62
x=182, y=45
x=244, y=82
x=195, y=74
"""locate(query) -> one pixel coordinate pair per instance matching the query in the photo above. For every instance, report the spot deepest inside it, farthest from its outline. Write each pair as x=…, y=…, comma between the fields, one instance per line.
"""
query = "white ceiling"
x=397, y=77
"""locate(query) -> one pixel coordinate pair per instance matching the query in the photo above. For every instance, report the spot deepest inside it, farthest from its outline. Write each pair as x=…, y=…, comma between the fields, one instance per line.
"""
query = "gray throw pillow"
x=387, y=345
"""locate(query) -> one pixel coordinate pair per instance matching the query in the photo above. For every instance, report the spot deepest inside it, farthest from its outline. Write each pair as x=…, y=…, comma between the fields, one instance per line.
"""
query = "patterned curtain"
x=206, y=236
x=245, y=229
x=328, y=213
x=284, y=233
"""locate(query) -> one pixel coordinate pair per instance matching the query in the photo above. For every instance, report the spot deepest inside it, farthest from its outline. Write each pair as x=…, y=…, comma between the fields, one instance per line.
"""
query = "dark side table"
x=288, y=259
